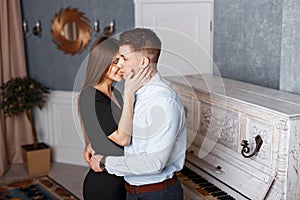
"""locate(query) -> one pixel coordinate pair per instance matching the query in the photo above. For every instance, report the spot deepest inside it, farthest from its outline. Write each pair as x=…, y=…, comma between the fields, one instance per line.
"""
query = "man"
x=158, y=143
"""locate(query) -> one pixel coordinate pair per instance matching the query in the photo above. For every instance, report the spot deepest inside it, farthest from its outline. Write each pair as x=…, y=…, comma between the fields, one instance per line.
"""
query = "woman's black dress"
x=100, y=117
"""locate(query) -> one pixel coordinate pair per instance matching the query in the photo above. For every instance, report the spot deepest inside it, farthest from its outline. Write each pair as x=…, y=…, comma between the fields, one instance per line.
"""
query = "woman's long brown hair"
x=100, y=58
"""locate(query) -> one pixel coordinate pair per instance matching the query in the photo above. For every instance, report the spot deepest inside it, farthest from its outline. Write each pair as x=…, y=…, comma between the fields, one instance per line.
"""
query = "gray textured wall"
x=47, y=64
x=247, y=40
x=255, y=41
x=290, y=53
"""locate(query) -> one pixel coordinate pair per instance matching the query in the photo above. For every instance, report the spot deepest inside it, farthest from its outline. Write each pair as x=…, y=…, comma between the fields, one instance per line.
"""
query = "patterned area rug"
x=42, y=188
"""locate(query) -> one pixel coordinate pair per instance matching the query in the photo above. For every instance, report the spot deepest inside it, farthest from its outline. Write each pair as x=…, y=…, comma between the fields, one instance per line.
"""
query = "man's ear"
x=145, y=62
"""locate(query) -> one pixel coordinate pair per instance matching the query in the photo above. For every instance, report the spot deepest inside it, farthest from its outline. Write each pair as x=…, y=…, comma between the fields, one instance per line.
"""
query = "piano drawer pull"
x=219, y=170
x=246, y=150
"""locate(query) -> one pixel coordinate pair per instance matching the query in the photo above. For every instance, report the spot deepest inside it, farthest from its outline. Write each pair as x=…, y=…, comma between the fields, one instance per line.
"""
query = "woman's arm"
x=166, y=145
x=122, y=135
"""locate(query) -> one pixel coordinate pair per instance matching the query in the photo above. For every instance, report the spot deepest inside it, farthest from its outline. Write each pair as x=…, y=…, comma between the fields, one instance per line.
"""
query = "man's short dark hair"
x=143, y=40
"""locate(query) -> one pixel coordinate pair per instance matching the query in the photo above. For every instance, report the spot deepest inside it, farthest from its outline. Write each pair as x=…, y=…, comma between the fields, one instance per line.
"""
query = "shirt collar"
x=155, y=79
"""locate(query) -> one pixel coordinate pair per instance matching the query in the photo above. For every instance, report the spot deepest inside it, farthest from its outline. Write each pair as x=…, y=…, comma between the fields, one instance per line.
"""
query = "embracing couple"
x=135, y=141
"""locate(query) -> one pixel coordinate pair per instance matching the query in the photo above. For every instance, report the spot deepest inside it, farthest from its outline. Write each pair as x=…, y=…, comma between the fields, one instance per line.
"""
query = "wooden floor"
x=69, y=176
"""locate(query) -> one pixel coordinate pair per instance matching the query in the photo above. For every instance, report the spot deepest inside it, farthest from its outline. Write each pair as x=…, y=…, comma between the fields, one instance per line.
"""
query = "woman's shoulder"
x=87, y=92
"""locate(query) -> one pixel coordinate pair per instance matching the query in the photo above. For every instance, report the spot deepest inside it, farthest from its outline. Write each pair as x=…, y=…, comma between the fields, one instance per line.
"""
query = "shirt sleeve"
x=165, y=142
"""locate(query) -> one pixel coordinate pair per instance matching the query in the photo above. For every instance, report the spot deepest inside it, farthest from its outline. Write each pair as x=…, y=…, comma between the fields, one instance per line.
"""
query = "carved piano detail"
x=243, y=140
x=229, y=122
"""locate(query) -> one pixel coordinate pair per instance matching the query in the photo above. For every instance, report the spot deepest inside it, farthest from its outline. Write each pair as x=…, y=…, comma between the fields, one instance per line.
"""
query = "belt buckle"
x=133, y=189
x=169, y=182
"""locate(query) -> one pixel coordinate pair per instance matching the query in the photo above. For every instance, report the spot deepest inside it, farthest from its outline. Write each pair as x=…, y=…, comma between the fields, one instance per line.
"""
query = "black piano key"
x=219, y=193
x=226, y=198
x=205, y=185
x=186, y=170
x=191, y=176
x=197, y=178
x=212, y=189
x=200, y=180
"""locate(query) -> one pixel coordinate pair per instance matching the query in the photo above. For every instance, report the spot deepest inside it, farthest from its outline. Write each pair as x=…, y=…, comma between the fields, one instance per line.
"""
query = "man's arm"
x=166, y=143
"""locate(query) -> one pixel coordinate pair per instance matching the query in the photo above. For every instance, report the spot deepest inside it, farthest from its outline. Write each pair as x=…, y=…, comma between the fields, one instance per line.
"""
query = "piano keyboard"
x=201, y=186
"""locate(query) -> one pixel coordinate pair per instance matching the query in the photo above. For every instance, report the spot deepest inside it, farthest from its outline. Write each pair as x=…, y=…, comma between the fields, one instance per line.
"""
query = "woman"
x=105, y=126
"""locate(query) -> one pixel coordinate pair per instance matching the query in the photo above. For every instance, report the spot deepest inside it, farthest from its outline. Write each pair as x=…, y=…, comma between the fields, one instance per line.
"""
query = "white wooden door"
x=185, y=28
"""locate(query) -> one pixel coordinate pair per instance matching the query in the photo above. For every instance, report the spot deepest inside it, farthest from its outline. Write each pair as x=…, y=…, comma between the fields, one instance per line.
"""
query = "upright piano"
x=243, y=140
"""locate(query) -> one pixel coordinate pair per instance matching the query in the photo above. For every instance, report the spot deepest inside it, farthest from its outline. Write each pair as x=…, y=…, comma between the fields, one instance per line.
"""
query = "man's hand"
x=94, y=163
x=88, y=153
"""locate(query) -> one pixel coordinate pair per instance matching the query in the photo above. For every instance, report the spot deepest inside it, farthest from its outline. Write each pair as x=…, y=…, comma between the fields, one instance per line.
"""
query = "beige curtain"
x=14, y=131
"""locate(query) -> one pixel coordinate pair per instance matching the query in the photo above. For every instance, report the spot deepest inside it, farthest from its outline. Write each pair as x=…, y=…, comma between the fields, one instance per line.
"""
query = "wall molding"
x=58, y=126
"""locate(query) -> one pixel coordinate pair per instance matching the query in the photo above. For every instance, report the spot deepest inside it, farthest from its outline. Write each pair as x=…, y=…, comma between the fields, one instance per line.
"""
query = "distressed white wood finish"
x=185, y=28
x=231, y=111
x=58, y=125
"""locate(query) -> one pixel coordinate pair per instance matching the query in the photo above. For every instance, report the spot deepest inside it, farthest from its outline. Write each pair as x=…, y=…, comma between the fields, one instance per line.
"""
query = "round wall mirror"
x=71, y=31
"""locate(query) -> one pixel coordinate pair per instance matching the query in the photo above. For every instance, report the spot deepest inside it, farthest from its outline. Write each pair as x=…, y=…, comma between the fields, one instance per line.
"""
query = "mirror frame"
x=63, y=17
